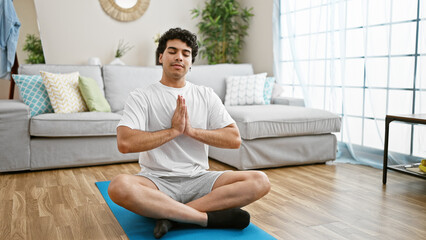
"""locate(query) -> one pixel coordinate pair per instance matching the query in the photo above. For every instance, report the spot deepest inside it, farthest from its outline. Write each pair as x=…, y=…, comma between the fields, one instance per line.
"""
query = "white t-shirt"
x=152, y=109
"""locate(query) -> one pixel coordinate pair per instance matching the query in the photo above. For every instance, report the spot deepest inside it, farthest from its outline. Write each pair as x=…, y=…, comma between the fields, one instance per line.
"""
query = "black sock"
x=162, y=227
x=229, y=218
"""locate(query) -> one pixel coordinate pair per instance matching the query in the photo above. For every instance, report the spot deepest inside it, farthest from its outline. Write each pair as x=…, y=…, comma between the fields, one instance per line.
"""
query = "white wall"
x=73, y=31
x=258, y=48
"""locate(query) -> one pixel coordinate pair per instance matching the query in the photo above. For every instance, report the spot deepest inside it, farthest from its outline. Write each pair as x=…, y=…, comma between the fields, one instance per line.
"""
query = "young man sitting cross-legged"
x=171, y=123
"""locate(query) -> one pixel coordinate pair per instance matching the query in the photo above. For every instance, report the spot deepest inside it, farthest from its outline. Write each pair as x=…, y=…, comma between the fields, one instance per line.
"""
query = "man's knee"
x=118, y=188
x=261, y=183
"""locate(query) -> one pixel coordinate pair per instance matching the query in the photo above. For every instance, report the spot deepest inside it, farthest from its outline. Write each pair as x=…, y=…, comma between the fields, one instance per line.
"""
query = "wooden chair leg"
x=14, y=70
x=12, y=88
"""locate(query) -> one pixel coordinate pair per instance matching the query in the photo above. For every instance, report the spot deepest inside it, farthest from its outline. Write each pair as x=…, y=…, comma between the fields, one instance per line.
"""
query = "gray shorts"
x=185, y=189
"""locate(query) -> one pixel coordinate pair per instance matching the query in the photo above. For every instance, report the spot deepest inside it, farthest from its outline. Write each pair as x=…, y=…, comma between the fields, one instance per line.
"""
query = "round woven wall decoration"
x=124, y=14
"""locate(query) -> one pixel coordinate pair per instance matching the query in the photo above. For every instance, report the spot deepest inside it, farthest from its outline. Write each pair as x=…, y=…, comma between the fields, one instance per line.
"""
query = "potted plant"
x=34, y=48
x=223, y=26
x=122, y=49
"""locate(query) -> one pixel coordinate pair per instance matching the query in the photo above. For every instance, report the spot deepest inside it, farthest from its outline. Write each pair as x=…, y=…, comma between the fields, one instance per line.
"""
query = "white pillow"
x=245, y=90
x=278, y=91
x=63, y=92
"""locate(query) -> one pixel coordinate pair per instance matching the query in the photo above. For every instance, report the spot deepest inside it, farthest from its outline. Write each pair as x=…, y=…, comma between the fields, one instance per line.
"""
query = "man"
x=171, y=123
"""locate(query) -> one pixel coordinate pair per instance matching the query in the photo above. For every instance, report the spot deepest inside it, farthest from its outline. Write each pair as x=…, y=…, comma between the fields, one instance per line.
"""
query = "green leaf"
x=222, y=28
x=34, y=48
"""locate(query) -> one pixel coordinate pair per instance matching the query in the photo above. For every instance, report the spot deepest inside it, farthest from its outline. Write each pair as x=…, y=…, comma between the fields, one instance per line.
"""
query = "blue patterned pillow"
x=33, y=93
x=267, y=90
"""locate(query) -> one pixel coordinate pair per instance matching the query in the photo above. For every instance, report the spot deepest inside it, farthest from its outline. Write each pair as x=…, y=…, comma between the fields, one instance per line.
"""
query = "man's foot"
x=229, y=218
x=162, y=227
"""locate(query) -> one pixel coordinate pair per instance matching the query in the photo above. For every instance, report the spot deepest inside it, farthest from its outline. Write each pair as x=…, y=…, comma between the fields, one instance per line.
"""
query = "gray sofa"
x=273, y=135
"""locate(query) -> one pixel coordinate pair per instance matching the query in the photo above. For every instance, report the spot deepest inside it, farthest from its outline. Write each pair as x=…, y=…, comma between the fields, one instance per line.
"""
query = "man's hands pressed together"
x=227, y=137
x=130, y=140
x=180, y=119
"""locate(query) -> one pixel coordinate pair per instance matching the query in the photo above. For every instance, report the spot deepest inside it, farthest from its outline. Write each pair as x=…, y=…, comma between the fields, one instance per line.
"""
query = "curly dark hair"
x=177, y=33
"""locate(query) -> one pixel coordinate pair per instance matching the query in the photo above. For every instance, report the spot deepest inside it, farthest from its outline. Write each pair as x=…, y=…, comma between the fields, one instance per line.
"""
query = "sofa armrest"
x=288, y=101
x=14, y=136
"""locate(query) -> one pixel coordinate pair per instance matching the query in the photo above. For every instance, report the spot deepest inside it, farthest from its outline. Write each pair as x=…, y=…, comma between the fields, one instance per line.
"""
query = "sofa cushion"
x=300, y=102
x=121, y=80
x=33, y=93
x=91, y=71
x=245, y=90
x=261, y=121
x=74, y=124
x=63, y=92
x=268, y=89
x=214, y=76
x=92, y=95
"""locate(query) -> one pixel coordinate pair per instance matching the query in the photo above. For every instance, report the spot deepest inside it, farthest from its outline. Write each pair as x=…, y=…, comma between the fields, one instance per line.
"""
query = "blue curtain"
x=9, y=33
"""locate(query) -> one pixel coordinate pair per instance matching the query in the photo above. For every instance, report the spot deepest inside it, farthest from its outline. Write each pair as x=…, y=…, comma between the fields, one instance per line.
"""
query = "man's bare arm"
x=227, y=137
x=131, y=140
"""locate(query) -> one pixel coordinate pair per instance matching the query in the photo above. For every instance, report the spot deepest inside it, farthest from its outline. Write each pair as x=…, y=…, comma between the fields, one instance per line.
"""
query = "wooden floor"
x=323, y=201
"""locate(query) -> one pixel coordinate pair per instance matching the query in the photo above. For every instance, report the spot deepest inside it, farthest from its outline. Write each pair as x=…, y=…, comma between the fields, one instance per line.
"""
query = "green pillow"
x=92, y=95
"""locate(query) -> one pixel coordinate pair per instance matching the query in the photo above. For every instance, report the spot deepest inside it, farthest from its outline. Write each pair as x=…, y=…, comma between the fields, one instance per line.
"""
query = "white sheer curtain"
x=361, y=59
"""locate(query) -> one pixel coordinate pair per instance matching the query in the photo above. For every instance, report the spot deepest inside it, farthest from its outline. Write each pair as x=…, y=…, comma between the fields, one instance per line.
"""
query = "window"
x=362, y=59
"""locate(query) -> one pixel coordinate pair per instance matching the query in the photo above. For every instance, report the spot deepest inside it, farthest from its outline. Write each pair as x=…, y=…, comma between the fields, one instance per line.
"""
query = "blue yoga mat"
x=138, y=227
